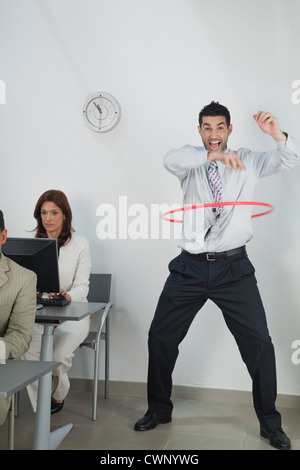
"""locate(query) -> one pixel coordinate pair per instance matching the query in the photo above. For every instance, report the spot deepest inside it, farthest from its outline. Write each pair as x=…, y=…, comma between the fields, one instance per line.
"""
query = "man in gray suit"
x=17, y=309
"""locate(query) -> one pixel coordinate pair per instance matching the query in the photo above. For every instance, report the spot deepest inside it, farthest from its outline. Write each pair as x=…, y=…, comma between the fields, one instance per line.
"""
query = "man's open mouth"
x=214, y=144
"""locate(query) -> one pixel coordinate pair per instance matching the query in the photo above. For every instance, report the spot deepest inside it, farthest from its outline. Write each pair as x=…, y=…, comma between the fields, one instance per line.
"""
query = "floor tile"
x=196, y=425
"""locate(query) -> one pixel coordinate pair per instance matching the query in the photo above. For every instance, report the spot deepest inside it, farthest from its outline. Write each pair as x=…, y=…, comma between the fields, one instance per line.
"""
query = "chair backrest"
x=99, y=288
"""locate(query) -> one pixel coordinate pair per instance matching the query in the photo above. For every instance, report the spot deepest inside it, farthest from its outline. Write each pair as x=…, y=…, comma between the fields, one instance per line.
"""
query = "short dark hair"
x=214, y=109
x=2, y=224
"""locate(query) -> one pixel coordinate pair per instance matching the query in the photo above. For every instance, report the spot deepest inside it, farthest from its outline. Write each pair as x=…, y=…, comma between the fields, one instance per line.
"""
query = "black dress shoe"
x=277, y=438
x=56, y=407
x=151, y=420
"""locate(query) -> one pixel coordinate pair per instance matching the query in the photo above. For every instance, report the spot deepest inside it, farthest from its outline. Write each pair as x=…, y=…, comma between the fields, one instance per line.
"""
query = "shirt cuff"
x=2, y=352
x=293, y=144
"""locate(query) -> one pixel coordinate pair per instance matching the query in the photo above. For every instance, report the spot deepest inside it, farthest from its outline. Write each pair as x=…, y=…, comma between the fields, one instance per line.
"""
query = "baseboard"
x=184, y=392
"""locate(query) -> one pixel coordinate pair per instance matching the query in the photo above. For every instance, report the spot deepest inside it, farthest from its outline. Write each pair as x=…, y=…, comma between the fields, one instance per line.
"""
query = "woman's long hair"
x=60, y=199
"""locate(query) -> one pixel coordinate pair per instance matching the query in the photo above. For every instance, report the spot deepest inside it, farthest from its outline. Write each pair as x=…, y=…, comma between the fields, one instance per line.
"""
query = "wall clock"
x=101, y=112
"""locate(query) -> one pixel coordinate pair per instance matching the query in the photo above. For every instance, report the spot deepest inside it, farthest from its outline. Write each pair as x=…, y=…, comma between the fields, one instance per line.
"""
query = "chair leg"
x=96, y=378
x=106, y=393
x=17, y=401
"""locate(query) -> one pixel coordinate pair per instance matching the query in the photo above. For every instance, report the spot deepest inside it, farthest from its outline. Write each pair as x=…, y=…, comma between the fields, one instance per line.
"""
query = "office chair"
x=99, y=291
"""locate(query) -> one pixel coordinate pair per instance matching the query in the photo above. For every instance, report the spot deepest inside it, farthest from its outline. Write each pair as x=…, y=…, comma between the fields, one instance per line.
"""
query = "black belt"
x=213, y=256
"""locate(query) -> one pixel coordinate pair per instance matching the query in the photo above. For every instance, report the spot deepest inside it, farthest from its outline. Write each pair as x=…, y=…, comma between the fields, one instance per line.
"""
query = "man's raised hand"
x=269, y=124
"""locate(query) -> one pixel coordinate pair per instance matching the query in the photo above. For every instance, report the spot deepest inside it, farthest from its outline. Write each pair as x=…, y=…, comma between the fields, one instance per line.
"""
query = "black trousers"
x=231, y=284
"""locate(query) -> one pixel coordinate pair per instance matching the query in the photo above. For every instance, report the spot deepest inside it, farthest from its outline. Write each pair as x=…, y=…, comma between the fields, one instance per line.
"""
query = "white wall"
x=163, y=60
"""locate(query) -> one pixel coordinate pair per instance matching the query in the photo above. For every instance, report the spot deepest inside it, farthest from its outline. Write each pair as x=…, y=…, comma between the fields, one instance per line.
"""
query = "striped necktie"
x=216, y=186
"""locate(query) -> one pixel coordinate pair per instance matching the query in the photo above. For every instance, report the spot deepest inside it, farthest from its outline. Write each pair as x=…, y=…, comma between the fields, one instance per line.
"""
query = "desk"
x=74, y=311
x=16, y=375
x=51, y=316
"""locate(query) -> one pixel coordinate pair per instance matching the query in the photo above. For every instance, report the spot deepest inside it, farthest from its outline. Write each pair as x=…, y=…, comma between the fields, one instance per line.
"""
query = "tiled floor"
x=197, y=424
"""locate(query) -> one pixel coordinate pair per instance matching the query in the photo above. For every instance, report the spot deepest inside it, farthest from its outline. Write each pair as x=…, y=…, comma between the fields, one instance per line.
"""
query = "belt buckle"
x=208, y=257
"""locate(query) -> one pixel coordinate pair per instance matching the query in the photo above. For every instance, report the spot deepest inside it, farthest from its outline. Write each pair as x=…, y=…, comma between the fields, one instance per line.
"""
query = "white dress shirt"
x=234, y=228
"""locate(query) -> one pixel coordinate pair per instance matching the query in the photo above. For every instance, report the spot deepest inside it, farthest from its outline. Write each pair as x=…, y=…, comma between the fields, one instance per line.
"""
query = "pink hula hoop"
x=216, y=204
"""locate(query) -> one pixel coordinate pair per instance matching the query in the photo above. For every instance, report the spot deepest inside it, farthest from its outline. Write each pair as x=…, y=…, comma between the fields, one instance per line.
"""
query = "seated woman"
x=54, y=220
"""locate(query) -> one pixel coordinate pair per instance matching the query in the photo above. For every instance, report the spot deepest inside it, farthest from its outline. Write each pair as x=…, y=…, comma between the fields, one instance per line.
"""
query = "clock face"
x=101, y=112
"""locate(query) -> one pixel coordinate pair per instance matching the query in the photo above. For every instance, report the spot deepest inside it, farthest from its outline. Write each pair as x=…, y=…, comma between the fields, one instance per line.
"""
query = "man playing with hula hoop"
x=213, y=264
